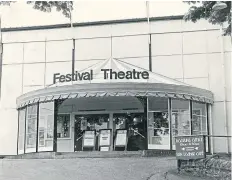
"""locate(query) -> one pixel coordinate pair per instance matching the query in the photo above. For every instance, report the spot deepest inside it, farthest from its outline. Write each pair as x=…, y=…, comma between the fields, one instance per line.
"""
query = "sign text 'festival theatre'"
x=108, y=74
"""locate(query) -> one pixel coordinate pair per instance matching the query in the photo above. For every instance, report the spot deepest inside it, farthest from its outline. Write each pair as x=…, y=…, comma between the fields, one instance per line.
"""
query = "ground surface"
x=90, y=169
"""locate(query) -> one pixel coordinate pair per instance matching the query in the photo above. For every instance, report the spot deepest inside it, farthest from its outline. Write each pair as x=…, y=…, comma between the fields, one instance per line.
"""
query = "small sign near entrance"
x=121, y=138
x=190, y=147
x=105, y=137
x=89, y=139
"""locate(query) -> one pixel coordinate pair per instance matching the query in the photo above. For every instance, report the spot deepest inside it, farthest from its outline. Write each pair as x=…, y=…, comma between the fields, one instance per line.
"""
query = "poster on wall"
x=105, y=137
x=84, y=124
x=121, y=138
x=89, y=139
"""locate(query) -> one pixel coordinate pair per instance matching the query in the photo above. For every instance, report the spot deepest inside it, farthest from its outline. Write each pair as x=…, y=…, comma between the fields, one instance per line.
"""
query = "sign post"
x=189, y=148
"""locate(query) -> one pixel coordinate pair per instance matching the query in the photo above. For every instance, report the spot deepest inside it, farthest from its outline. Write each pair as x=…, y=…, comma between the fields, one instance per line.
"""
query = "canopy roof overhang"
x=157, y=85
x=115, y=89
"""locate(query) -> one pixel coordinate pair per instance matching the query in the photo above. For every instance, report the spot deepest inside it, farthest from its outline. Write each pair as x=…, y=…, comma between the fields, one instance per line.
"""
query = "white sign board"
x=105, y=137
x=104, y=148
x=89, y=139
x=121, y=138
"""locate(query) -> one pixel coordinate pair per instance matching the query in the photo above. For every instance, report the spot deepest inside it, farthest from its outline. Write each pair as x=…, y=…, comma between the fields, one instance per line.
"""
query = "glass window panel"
x=89, y=122
x=157, y=104
x=158, y=123
x=46, y=126
x=63, y=126
x=181, y=124
x=120, y=121
x=31, y=128
x=199, y=120
x=21, y=133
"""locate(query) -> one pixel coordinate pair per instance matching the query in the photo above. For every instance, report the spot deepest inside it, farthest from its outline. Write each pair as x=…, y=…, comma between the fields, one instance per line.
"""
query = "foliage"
x=46, y=6
x=203, y=10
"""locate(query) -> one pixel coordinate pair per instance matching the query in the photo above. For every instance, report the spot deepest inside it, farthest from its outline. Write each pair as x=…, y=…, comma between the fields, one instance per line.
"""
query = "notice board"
x=190, y=147
x=89, y=139
x=121, y=138
x=105, y=137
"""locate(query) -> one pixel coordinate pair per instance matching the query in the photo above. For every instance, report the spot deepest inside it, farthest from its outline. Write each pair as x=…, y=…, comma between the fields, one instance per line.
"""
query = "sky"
x=21, y=14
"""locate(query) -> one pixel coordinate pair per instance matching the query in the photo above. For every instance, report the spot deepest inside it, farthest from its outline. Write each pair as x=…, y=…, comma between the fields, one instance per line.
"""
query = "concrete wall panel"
x=99, y=48
x=166, y=44
x=170, y=66
x=194, y=42
x=195, y=66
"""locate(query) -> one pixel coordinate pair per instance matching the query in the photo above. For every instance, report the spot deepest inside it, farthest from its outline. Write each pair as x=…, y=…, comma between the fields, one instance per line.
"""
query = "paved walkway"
x=90, y=169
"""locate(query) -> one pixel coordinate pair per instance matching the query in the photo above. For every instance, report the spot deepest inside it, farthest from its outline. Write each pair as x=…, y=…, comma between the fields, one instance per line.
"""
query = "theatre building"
x=100, y=87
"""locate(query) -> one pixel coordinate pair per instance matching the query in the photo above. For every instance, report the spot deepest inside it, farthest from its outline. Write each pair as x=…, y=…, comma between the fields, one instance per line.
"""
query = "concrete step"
x=93, y=154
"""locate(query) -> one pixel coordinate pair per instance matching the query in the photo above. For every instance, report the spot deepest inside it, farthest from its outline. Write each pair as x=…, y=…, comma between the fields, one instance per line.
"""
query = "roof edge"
x=92, y=23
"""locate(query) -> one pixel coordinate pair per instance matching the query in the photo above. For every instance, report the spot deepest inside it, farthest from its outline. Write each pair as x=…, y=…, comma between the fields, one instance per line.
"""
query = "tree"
x=46, y=6
x=203, y=10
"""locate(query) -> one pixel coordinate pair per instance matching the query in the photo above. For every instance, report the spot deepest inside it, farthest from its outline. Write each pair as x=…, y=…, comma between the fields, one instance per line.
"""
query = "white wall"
x=189, y=52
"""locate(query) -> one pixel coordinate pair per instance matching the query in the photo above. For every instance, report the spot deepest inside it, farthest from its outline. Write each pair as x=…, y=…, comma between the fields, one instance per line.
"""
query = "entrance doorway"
x=89, y=122
x=135, y=124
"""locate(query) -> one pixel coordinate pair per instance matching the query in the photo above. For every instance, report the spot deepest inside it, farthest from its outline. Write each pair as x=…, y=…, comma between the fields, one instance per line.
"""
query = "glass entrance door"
x=159, y=131
x=134, y=123
x=94, y=122
x=158, y=123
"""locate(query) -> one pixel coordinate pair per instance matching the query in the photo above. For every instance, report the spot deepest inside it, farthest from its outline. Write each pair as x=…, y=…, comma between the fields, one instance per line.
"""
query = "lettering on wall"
x=108, y=74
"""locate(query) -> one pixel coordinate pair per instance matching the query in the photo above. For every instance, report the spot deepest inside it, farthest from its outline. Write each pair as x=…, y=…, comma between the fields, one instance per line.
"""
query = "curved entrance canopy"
x=101, y=85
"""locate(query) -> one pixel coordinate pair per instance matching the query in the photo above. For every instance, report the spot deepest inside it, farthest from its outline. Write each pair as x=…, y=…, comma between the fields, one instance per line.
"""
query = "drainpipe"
x=224, y=87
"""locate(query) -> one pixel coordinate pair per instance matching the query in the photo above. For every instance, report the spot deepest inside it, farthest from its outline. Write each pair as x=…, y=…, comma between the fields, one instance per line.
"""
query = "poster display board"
x=190, y=147
x=89, y=139
x=84, y=124
x=121, y=138
x=105, y=138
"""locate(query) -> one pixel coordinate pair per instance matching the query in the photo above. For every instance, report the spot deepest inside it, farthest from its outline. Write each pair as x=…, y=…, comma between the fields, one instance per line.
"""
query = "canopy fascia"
x=115, y=89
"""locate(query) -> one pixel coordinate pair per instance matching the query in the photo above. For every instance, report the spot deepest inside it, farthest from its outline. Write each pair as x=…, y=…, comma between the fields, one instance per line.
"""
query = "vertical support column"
x=150, y=54
x=170, y=120
x=25, y=130
x=210, y=130
x=111, y=126
x=1, y=55
x=55, y=126
x=73, y=57
x=191, y=117
x=37, y=129
x=18, y=133
x=207, y=129
x=145, y=100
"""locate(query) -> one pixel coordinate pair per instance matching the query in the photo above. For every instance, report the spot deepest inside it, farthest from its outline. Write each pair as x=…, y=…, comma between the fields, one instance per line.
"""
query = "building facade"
x=188, y=91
